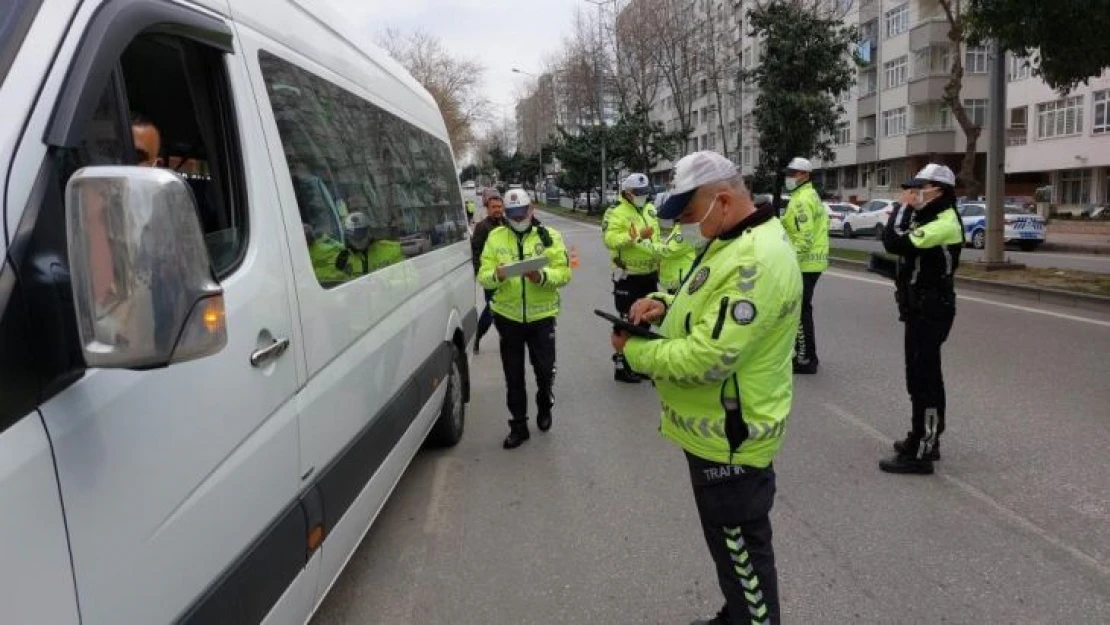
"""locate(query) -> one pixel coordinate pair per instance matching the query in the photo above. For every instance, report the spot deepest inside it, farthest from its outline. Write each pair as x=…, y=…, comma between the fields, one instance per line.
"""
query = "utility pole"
x=994, y=258
x=600, y=97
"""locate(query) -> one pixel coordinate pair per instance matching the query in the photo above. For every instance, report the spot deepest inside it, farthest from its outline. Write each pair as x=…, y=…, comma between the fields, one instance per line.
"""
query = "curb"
x=1076, y=248
x=1083, y=301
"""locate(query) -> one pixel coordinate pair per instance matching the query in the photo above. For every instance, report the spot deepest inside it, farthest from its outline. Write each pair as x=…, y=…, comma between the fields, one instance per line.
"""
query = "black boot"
x=622, y=373
x=543, y=420
x=518, y=433
x=906, y=464
x=808, y=368
x=908, y=445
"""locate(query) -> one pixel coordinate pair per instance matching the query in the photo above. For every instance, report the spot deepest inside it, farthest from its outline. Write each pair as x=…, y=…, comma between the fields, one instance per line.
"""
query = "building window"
x=898, y=20
x=747, y=57
x=848, y=180
x=843, y=133
x=894, y=122
x=867, y=128
x=1019, y=118
x=977, y=111
x=713, y=140
x=704, y=142
x=1019, y=68
x=703, y=87
x=1061, y=118
x=1075, y=186
x=895, y=72
x=882, y=176
x=930, y=117
x=1102, y=112
x=868, y=83
x=931, y=61
x=975, y=60
x=870, y=31
x=747, y=158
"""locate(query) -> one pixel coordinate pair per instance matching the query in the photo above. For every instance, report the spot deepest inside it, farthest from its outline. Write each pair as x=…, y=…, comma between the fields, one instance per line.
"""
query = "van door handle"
x=273, y=351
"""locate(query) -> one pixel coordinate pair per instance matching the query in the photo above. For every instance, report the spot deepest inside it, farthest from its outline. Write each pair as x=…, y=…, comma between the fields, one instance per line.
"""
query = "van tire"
x=448, y=429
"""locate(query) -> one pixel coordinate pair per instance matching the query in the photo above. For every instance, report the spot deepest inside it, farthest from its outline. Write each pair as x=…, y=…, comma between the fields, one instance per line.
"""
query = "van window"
x=168, y=106
x=372, y=189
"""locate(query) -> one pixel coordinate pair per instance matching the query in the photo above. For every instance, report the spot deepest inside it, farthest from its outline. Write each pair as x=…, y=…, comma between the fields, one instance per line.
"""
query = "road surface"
x=1059, y=260
x=593, y=522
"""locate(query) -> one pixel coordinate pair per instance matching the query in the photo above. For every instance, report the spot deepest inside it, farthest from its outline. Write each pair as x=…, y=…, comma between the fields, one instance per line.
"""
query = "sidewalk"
x=1077, y=243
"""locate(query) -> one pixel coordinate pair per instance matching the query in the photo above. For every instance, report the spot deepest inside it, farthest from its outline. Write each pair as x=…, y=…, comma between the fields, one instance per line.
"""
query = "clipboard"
x=520, y=268
x=624, y=326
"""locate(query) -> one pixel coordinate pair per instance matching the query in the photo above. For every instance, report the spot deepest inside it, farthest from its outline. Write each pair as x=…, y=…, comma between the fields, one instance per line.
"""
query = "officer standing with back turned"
x=724, y=372
x=630, y=231
x=928, y=249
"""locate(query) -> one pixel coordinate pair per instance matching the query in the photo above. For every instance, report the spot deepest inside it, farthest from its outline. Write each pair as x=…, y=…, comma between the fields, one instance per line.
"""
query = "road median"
x=1061, y=287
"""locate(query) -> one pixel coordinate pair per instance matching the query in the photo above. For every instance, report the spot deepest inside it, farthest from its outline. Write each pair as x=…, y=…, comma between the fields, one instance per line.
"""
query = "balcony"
x=927, y=89
x=867, y=106
x=931, y=139
x=928, y=32
x=866, y=152
x=868, y=10
x=1017, y=136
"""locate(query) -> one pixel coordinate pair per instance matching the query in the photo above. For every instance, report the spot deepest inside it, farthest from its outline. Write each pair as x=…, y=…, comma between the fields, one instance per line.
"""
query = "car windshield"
x=15, y=20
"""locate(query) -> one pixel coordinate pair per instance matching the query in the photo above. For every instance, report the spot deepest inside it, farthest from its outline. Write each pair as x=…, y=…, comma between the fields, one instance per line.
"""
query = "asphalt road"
x=1058, y=260
x=593, y=522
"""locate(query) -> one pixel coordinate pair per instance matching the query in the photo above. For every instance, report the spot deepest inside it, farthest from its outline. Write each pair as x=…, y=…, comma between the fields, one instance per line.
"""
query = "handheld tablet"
x=525, y=266
x=625, y=326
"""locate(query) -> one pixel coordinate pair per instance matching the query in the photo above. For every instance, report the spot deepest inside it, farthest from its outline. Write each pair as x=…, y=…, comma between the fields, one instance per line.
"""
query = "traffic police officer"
x=525, y=308
x=723, y=371
x=470, y=208
x=630, y=231
x=807, y=223
x=928, y=250
x=675, y=256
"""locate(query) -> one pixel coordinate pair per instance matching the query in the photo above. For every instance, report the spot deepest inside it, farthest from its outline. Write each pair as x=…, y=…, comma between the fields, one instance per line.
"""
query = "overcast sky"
x=500, y=34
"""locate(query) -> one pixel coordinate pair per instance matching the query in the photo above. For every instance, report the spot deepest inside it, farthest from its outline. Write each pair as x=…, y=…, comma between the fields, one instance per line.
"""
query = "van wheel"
x=878, y=232
x=848, y=234
x=448, y=430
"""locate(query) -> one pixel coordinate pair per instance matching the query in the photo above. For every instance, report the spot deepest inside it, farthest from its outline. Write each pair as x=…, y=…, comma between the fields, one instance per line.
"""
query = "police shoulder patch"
x=743, y=312
x=698, y=280
x=539, y=249
x=918, y=233
x=802, y=218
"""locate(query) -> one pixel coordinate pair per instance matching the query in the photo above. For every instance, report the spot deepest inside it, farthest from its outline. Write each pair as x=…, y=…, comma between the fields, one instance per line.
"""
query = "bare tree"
x=453, y=81
x=957, y=31
x=633, y=35
x=675, y=55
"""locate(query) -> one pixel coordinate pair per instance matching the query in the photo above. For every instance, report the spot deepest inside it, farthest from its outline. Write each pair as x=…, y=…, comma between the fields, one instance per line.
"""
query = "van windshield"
x=15, y=20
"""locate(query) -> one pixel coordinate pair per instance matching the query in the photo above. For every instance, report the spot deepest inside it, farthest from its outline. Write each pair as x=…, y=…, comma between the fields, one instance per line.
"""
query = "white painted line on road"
x=973, y=492
x=980, y=300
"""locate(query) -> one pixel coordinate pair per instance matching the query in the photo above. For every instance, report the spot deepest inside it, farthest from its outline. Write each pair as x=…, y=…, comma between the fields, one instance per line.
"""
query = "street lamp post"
x=600, y=95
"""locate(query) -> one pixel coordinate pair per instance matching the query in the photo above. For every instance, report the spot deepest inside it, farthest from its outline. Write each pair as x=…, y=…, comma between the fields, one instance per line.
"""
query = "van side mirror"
x=143, y=287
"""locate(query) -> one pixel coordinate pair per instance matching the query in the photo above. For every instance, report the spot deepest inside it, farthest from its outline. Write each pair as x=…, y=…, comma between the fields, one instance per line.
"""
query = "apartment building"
x=895, y=119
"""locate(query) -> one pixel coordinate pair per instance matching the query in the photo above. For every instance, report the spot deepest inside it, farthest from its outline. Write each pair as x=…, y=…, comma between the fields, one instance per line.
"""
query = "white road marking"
x=973, y=492
x=980, y=300
x=437, y=517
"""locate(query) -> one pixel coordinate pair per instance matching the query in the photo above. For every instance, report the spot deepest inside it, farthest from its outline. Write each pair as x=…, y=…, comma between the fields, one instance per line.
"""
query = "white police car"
x=1022, y=226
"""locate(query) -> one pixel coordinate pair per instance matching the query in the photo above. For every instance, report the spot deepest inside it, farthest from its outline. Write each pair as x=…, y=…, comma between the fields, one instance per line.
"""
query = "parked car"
x=871, y=218
x=838, y=212
x=580, y=203
x=415, y=244
x=1022, y=226
x=192, y=434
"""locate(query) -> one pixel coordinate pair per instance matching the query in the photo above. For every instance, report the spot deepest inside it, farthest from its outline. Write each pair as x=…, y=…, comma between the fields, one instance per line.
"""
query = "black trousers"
x=734, y=504
x=485, y=320
x=805, y=345
x=926, y=330
x=625, y=293
x=539, y=338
